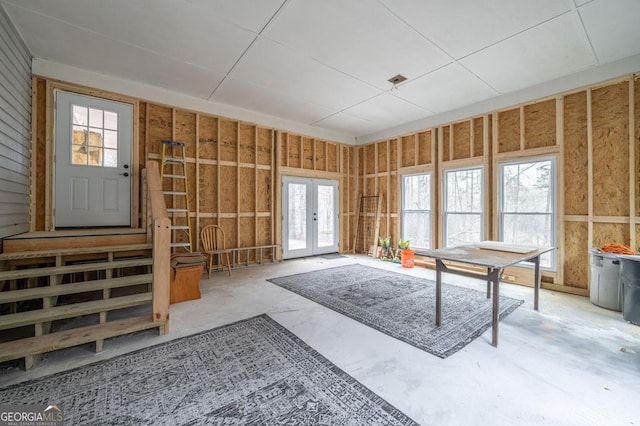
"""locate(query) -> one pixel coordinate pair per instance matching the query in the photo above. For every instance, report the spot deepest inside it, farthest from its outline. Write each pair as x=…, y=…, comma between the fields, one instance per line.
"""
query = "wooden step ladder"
x=174, y=169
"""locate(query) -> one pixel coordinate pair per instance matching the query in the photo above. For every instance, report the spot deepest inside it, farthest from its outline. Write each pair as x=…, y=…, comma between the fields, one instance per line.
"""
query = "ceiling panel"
x=387, y=109
x=265, y=100
x=613, y=27
x=249, y=14
x=346, y=123
x=271, y=65
x=462, y=27
x=448, y=88
x=360, y=38
x=91, y=51
x=190, y=36
x=548, y=51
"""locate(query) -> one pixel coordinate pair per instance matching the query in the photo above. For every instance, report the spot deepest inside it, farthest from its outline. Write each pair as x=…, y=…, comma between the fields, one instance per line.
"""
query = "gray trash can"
x=605, y=288
x=630, y=277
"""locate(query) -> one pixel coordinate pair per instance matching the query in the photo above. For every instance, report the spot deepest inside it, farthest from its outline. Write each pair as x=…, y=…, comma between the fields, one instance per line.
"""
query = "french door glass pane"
x=326, y=231
x=297, y=216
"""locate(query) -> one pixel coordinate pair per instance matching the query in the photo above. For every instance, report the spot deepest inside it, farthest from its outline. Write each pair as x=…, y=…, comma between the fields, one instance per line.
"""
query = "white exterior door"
x=310, y=219
x=93, y=144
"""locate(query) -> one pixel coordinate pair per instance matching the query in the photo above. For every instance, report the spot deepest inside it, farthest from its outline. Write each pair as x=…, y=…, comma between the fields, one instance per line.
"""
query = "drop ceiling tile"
x=546, y=52
x=448, y=88
x=286, y=72
x=462, y=27
x=613, y=27
x=387, y=110
x=90, y=51
x=360, y=38
x=185, y=33
x=251, y=97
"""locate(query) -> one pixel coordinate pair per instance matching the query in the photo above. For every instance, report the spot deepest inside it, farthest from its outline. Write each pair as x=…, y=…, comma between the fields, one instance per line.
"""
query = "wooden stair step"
x=73, y=251
x=70, y=269
x=74, y=288
x=69, y=311
x=77, y=336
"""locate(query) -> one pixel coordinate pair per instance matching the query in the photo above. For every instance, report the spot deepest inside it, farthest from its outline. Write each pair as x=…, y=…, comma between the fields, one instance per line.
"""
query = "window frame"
x=429, y=211
x=445, y=191
x=553, y=190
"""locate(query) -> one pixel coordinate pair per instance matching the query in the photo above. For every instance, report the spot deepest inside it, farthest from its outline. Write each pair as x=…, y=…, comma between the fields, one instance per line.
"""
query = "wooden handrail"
x=161, y=226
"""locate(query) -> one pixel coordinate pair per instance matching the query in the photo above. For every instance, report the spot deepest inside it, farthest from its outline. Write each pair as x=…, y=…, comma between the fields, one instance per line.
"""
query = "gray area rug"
x=400, y=305
x=253, y=372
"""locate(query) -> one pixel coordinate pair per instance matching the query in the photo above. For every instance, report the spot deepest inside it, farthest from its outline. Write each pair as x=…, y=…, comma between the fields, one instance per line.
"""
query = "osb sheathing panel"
x=370, y=155
x=264, y=191
x=424, y=147
x=228, y=140
x=384, y=191
x=361, y=162
x=394, y=194
x=307, y=153
x=160, y=119
x=230, y=228
x=408, y=151
x=393, y=154
x=382, y=156
x=320, y=157
x=191, y=186
x=611, y=150
x=247, y=233
x=462, y=140
x=393, y=224
x=540, y=124
x=247, y=143
x=264, y=146
x=353, y=198
x=208, y=138
x=185, y=128
x=370, y=184
x=509, y=130
x=478, y=137
x=576, y=257
x=333, y=157
x=264, y=231
x=228, y=189
x=349, y=154
x=637, y=248
x=636, y=91
x=576, y=164
x=142, y=134
x=445, y=143
x=610, y=233
x=247, y=190
x=295, y=153
x=208, y=188
x=41, y=158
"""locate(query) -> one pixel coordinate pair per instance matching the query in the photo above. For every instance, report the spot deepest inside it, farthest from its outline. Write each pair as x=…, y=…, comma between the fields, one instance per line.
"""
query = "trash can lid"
x=608, y=255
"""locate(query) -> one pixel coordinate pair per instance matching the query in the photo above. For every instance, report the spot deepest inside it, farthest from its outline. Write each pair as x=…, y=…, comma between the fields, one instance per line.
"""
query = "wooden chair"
x=212, y=237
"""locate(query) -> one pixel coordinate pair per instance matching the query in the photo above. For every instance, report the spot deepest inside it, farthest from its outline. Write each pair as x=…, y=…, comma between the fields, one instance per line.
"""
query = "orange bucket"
x=408, y=258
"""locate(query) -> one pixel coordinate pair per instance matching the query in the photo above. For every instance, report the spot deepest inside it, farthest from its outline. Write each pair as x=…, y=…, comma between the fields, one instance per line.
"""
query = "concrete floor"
x=571, y=363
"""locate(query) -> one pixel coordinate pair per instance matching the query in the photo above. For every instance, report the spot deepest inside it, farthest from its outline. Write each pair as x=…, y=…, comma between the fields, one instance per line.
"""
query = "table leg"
x=494, y=276
x=439, y=268
x=488, y=284
x=536, y=283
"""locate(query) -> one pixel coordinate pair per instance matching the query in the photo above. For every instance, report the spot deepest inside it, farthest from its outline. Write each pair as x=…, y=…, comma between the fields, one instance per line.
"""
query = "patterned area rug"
x=401, y=306
x=253, y=372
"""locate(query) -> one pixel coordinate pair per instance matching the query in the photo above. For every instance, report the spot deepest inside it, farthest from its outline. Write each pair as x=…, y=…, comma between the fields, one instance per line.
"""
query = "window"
x=527, y=205
x=463, y=206
x=416, y=210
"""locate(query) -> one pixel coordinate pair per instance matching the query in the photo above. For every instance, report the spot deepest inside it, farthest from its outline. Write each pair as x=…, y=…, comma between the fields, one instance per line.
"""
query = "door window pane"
x=297, y=216
x=326, y=216
x=90, y=139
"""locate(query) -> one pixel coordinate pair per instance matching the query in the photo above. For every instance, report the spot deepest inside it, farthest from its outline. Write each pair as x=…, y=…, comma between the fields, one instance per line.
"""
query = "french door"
x=310, y=216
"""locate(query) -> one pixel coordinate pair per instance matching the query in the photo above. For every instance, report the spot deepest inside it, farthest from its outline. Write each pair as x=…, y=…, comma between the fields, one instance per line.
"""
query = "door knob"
x=125, y=174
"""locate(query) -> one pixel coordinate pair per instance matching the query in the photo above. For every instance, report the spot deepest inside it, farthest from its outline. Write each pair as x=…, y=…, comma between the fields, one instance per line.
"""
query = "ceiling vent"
x=397, y=79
